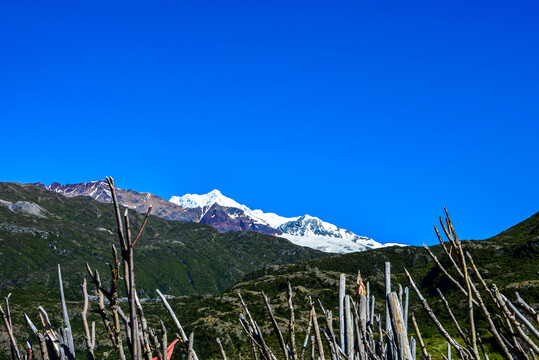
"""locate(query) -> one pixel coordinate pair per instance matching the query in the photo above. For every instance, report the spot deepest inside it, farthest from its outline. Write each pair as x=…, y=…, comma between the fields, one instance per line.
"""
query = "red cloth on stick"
x=170, y=349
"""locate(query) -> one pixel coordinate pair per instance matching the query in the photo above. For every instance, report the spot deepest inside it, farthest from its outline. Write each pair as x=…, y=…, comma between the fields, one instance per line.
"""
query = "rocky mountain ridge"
x=225, y=214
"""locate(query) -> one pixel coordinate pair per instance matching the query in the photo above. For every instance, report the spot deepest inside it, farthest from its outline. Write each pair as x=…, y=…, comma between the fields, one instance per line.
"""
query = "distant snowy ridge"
x=301, y=230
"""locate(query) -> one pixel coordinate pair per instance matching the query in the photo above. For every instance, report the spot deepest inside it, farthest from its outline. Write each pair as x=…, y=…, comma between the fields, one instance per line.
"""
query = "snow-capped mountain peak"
x=303, y=230
x=201, y=201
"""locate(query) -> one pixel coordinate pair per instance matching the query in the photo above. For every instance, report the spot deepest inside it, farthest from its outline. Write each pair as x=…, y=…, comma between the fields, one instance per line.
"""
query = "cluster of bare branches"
x=142, y=341
x=511, y=330
x=361, y=334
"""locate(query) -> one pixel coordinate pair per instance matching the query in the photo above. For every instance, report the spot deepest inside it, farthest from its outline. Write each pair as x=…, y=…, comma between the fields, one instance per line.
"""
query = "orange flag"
x=360, y=286
x=170, y=349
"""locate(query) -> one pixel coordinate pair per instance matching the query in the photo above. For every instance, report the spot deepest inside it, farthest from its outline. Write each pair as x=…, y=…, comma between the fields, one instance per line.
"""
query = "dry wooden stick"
x=328, y=316
x=143, y=225
x=317, y=333
x=397, y=325
x=246, y=310
x=175, y=319
x=342, y=292
x=41, y=338
x=485, y=311
x=49, y=332
x=307, y=334
x=89, y=340
x=420, y=339
x=28, y=350
x=482, y=348
x=223, y=354
x=249, y=331
x=447, y=275
x=250, y=327
x=483, y=283
x=123, y=244
x=453, y=318
x=452, y=242
x=115, y=271
x=349, y=327
x=372, y=310
x=112, y=331
x=157, y=345
x=8, y=314
x=433, y=317
x=331, y=347
x=265, y=349
x=144, y=331
x=129, y=260
x=448, y=253
x=292, y=323
x=492, y=326
x=380, y=344
x=405, y=305
x=387, y=284
x=525, y=321
x=412, y=347
x=534, y=314
x=360, y=329
x=190, y=351
x=521, y=333
x=68, y=331
x=164, y=342
x=276, y=326
x=362, y=312
x=7, y=322
x=96, y=279
x=368, y=296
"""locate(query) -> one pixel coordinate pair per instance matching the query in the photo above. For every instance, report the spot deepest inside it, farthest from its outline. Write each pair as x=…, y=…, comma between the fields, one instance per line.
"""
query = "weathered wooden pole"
x=405, y=305
x=342, y=291
x=349, y=328
x=68, y=331
x=372, y=310
x=368, y=296
x=387, y=277
x=397, y=325
x=363, y=304
x=412, y=347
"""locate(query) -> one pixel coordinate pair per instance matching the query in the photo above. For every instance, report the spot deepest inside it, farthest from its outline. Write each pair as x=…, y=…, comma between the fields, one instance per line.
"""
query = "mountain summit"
x=213, y=197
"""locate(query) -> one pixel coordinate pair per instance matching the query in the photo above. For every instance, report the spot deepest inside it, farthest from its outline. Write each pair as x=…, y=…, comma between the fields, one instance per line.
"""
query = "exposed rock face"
x=24, y=207
x=226, y=218
x=99, y=190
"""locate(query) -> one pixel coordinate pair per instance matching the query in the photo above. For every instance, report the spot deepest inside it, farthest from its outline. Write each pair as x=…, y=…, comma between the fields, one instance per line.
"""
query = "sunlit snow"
x=304, y=230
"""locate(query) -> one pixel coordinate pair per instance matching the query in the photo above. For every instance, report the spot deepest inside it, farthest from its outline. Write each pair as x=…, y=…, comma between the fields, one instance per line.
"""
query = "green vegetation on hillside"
x=177, y=257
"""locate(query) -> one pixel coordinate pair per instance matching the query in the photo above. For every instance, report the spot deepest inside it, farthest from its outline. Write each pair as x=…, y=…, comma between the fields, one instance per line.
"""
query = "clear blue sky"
x=371, y=115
